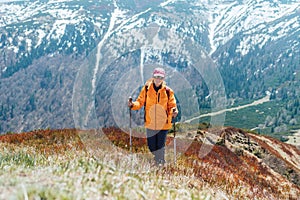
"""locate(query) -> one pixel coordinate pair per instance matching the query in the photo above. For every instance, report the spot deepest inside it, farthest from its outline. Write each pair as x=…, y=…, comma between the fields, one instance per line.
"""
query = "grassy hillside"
x=73, y=164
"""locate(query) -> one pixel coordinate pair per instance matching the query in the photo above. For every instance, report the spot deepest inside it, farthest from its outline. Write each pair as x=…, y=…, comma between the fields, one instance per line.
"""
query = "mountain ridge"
x=251, y=51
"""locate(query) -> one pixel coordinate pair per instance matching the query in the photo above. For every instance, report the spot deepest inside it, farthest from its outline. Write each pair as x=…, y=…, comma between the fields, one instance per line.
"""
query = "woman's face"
x=158, y=80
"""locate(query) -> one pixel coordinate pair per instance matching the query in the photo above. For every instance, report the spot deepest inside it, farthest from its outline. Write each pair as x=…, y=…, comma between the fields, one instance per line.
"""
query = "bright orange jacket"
x=159, y=107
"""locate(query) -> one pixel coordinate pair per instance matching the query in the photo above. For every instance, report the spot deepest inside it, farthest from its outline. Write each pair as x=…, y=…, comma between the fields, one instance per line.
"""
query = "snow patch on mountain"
x=167, y=2
x=228, y=19
x=7, y=1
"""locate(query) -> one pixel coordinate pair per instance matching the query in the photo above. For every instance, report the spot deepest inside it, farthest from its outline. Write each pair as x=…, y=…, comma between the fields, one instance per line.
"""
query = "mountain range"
x=68, y=63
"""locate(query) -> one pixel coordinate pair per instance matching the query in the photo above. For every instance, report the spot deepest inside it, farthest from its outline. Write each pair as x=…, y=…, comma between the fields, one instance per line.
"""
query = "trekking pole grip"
x=130, y=99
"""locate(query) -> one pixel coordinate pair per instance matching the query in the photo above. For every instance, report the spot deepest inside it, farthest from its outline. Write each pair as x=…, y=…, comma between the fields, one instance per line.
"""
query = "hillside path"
x=254, y=103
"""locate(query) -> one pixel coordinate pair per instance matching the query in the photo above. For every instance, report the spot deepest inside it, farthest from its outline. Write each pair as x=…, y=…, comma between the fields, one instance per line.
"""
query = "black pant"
x=156, y=140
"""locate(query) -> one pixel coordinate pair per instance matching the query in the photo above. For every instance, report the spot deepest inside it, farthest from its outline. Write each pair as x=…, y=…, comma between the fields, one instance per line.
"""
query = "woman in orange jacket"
x=160, y=108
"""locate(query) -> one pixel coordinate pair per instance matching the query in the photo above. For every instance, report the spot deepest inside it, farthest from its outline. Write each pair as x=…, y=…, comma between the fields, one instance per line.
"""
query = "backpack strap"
x=147, y=84
x=168, y=91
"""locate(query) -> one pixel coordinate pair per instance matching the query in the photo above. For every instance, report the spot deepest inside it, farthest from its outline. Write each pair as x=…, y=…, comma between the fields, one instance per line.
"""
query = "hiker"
x=160, y=107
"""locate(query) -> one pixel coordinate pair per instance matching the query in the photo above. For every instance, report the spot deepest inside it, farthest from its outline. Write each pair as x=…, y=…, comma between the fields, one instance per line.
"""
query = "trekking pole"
x=174, y=132
x=130, y=131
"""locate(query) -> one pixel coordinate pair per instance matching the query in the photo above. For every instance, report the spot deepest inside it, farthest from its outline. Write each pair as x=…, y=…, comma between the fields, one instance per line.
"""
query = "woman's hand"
x=130, y=104
x=174, y=113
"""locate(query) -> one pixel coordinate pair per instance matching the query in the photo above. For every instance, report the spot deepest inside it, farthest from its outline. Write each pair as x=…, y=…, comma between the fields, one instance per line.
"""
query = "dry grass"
x=72, y=164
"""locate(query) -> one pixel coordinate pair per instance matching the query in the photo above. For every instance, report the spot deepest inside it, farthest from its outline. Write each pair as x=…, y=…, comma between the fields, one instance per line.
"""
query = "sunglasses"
x=158, y=77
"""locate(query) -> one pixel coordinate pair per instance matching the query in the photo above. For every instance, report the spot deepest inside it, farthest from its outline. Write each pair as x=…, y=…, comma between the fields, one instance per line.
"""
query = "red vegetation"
x=223, y=166
x=242, y=174
x=46, y=141
x=286, y=148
